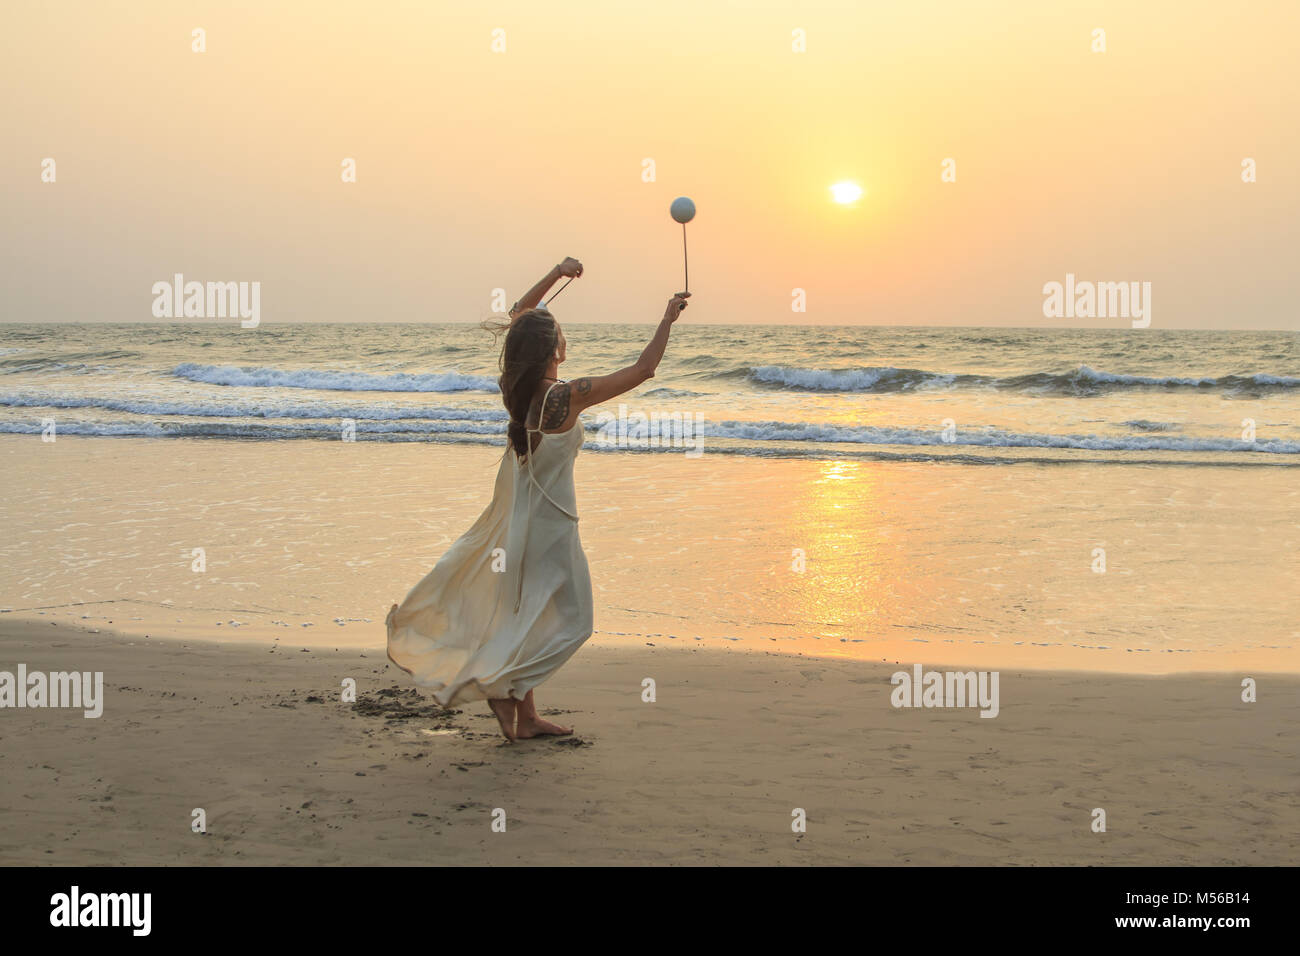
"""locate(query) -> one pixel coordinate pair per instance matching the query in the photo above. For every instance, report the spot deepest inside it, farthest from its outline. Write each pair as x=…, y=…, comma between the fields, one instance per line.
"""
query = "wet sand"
x=989, y=566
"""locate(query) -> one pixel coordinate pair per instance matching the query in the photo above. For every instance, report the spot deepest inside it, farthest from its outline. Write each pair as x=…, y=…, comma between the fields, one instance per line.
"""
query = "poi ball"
x=682, y=209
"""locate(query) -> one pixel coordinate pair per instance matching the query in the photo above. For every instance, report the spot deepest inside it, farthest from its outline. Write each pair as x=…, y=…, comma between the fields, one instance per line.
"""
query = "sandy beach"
x=223, y=688
x=707, y=774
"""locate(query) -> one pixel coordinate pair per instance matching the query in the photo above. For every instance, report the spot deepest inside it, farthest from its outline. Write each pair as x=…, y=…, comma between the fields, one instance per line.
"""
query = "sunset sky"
x=478, y=169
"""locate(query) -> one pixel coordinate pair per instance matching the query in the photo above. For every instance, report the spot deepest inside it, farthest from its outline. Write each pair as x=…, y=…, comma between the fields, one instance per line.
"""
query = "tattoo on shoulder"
x=583, y=386
x=556, y=412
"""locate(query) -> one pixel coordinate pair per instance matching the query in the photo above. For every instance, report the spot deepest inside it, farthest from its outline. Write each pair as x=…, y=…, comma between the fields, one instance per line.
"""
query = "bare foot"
x=504, y=708
x=536, y=727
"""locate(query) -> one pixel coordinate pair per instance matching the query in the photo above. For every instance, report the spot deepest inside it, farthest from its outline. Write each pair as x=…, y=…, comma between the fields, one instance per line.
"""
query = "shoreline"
x=616, y=641
x=707, y=774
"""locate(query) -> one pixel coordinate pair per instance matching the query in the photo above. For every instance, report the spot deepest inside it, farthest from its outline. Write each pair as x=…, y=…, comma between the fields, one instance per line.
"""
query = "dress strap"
x=533, y=478
x=532, y=481
x=542, y=411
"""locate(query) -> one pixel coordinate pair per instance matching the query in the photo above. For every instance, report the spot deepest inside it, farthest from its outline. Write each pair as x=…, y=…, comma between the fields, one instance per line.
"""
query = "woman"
x=511, y=600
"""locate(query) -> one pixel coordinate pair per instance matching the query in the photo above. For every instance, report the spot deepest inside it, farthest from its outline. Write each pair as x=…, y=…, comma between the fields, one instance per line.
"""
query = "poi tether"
x=546, y=304
x=683, y=211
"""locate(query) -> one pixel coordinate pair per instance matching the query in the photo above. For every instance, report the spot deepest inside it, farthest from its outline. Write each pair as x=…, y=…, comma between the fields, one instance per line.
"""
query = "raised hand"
x=675, y=306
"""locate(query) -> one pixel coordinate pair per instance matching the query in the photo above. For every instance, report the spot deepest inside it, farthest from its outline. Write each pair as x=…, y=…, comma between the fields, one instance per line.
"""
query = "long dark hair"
x=528, y=350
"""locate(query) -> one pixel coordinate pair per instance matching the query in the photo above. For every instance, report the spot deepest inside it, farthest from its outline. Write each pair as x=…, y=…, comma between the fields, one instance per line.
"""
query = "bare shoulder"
x=555, y=409
x=563, y=402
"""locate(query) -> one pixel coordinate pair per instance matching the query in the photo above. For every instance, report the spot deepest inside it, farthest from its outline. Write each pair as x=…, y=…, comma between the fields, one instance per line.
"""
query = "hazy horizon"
x=477, y=170
x=649, y=323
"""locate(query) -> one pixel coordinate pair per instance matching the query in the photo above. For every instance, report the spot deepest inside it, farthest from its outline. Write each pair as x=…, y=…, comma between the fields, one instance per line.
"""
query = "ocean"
x=969, y=395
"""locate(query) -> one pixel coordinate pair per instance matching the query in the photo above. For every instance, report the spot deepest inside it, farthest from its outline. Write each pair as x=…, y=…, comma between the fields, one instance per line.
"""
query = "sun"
x=845, y=193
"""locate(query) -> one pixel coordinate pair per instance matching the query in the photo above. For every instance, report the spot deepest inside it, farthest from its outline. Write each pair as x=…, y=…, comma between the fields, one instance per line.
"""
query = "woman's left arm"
x=569, y=267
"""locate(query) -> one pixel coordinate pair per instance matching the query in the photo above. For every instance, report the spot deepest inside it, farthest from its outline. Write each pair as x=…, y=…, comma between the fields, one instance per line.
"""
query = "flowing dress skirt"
x=511, y=600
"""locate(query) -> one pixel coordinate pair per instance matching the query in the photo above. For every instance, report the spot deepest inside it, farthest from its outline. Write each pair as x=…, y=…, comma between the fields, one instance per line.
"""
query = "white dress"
x=511, y=600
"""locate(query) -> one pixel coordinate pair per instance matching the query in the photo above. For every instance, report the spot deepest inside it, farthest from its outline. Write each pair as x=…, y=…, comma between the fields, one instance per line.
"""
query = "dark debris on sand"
x=394, y=703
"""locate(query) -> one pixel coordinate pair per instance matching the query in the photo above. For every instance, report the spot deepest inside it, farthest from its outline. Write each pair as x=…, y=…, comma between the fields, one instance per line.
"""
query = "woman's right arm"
x=570, y=267
x=567, y=401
